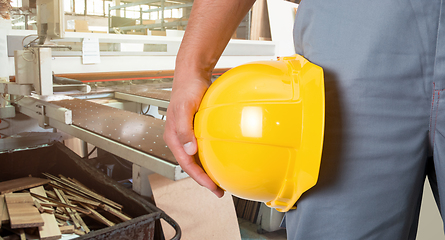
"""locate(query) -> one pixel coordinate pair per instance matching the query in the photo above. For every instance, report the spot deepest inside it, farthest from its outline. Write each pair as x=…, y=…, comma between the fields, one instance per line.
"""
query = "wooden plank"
x=73, y=213
x=98, y=216
x=76, y=214
x=48, y=204
x=67, y=229
x=50, y=230
x=61, y=204
x=68, y=210
x=20, y=184
x=22, y=234
x=115, y=212
x=83, y=191
x=61, y=216
x=79, y=232
x=51, y=194
x=2, y=209
x=22, y=212
x=82, y=223
x=260, y=28
x=59, y=210
x=38, y=206
x=83, y=200
x=5, y=216
x=48, y=210
x=62, y=223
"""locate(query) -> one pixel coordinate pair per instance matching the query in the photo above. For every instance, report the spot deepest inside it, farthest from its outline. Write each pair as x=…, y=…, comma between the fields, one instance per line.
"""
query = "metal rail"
x=140, y=99
x=164, y=168
x=169, y=7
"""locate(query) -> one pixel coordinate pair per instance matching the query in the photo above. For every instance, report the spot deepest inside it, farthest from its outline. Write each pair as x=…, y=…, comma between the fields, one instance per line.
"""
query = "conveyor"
x=132, y=136
x=134, y=130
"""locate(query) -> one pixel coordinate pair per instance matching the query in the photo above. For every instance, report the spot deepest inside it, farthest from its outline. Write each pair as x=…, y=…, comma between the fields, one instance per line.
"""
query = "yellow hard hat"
x=260, y=130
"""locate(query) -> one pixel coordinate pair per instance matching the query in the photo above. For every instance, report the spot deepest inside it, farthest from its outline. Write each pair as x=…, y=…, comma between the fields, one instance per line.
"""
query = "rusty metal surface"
x=134, y=130
x=141, y=228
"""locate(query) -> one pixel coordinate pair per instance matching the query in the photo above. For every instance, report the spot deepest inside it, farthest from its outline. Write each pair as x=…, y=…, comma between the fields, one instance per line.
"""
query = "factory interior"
x=82, y=115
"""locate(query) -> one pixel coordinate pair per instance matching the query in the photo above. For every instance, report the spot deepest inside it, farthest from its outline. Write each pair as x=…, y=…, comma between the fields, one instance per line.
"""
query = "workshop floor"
x=249, y=232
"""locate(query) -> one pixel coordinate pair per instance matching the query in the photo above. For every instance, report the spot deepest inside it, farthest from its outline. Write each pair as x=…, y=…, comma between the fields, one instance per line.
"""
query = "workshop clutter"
x=260, y=130
x=60, y=208
x=75, y=191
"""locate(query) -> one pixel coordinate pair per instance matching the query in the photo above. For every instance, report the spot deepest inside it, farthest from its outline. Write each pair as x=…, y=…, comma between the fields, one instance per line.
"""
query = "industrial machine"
x=119, y=61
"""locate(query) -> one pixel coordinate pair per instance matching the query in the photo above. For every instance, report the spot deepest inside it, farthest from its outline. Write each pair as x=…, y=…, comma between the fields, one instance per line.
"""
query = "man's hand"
x=179, y=134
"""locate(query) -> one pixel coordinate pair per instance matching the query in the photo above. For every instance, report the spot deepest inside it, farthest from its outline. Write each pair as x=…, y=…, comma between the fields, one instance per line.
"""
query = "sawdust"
x=5, y=7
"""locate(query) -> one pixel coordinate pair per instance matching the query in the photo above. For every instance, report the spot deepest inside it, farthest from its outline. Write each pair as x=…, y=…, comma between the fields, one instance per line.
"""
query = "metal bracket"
x=42, y=111
x=140, y=99
x=42, y=120
x=7, y=112
x=84, y=88
x=16, y=89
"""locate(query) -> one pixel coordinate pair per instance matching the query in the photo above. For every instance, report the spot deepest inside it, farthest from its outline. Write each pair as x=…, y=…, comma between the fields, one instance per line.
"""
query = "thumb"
x=185, y=132
x=190, y=148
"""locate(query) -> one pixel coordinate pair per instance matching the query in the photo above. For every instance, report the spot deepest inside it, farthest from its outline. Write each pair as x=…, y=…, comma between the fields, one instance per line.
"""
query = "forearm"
x=210, y=27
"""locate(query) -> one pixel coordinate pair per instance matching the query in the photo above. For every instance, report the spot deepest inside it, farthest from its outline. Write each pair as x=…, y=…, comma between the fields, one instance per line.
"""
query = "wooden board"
x=22, y=212
x=208, y=217
x=20, y=184
x=3, y=210
x=260, y=28
x=50, y=230
x=5, y=215
x=67, y=229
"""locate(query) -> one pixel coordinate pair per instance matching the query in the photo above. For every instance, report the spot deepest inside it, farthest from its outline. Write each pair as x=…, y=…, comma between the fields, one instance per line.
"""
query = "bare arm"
x=210, y=26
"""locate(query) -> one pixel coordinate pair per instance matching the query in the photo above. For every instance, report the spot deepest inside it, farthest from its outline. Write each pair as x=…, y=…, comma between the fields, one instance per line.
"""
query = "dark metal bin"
x=57, y=159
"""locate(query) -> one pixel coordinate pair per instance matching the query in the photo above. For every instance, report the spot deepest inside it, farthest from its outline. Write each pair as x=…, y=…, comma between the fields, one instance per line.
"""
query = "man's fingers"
x=179, y=133
x=188, y=162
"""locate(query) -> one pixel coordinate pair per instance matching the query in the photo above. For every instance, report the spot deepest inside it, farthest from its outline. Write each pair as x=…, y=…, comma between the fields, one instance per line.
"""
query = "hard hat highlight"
x=260, y=130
